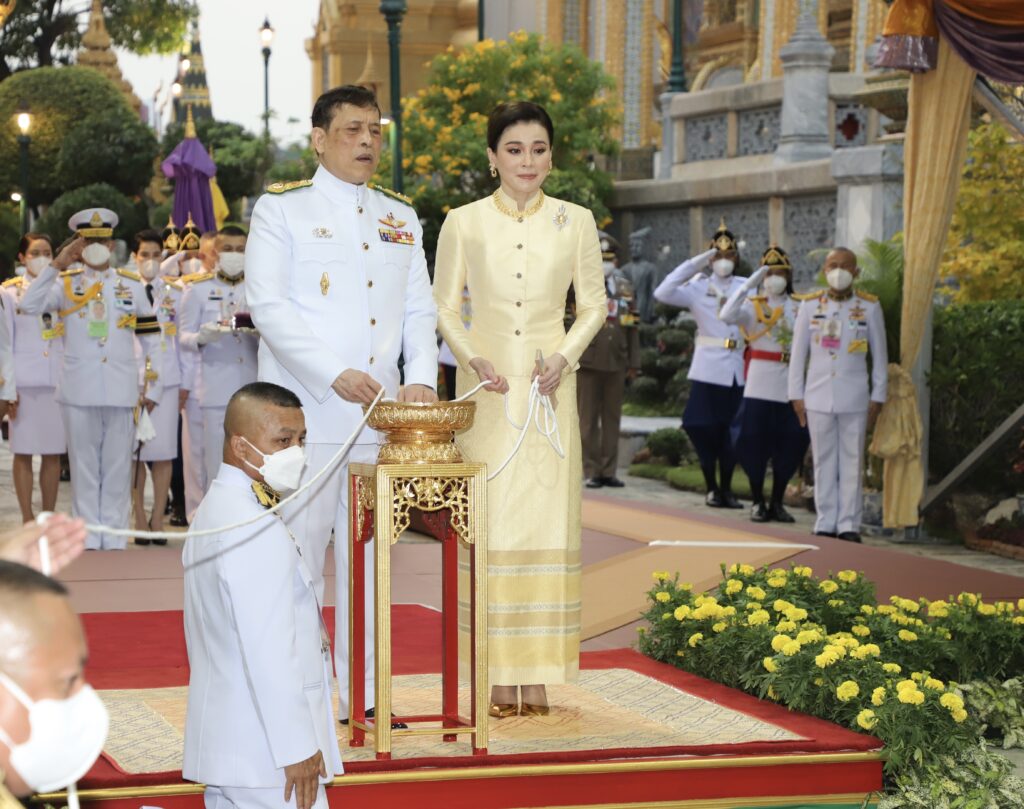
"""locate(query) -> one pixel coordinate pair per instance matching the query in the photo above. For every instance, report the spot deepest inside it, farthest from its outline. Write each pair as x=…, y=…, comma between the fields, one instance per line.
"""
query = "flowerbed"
x=826, y=647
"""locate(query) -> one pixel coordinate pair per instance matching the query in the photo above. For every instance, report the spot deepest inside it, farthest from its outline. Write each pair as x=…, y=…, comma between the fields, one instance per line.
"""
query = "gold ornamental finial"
x=190, y=123
x=6, y=9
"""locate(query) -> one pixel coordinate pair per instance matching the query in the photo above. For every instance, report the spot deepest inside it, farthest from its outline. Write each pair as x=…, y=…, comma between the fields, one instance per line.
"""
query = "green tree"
x=445, y=124
x=41, y=33
x=242, y=158
x=83, y=131
x=298, y=162
x=130, y=212
x=985, y=248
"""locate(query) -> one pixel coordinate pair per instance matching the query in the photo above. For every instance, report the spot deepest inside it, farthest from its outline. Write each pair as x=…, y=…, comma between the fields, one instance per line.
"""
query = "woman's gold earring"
x=494, y=171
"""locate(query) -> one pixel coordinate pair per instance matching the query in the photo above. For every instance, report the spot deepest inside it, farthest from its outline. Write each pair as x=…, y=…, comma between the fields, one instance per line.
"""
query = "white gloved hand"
x=704, y=259
x=209, y=333
x=755, y=279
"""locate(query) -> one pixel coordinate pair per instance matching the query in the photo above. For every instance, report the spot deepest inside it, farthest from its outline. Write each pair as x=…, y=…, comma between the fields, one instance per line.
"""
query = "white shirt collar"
x=233, y=476
x=337, y=190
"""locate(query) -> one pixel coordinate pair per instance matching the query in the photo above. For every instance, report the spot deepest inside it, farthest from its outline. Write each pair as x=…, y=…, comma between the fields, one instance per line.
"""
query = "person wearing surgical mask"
x=766, y=428
x=216, y=326
x=157, y=349
x=716, y=370
x=259, y=725
x=100, y=381
x=52, y=724
x=833, y=392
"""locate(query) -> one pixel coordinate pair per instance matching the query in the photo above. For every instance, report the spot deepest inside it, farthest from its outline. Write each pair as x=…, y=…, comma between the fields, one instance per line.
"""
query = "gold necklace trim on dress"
x=518, y=215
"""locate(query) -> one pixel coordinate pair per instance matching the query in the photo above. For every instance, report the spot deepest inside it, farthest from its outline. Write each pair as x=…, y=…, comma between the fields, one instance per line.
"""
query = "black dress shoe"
x=141, y=541
x=65, y=475
x=778, y=513
x=178, y=519
x=369, y=715
x=612, y=482
x=594, y=483
x=759, y=513
x=850, y=536
x=714, y=499
x=159, y=541
x=825, y=534
x=730, y=500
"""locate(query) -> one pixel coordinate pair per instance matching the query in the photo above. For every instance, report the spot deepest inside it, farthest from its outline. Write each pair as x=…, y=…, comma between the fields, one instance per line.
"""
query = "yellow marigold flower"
x=847, y=690
x=728, y=611
x=682, y=612
x=865, y=651
x=967, y=598
x=828, y=586
x=778, y=571
x=661, y=575
x=686, y=586
x=680, y=653
x=907, y=635
x=867, y=719
x=906, y=685
x=781, y=605
x=1020, y=603
x=808, y=636
x=819, y=682
x=719, y=627
x=860, y=629
x=892, y=668
x=953, y=702
x=803, y=571
x=756, y=593
x=777, y=581
x=700, y=601
x=791, y=648
x=959, y=716
x=772, y=693
x=886, y=609
x=707, y=611
x=695, y=638
x=836, y=602
x=986, y=609
x=796, y=614
x=662, y=596
x=752, y=606
x=758, y=618
x=1019, y=619
x=917, y=677
x=847, y=576
x=933, y=684
x=779, y=641
x=826, y=658
x=733, y=586
x=665, y=616
x=878, y=696
x=785, y=626
x=911, y=696
x=746, y=570
x=867, y=609
x=845, y=641
x=938, y=609
x=769, y=665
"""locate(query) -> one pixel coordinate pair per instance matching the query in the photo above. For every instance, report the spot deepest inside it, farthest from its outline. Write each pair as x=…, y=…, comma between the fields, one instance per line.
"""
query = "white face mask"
x=36, y=265
x=66, y=736
x=232, y=264
x=190, y=266
x=149, y=268
x=282, y=470
x=723, y=267
x=608, y=267
x=839, y=279
x=96, y=255
x=775, y=284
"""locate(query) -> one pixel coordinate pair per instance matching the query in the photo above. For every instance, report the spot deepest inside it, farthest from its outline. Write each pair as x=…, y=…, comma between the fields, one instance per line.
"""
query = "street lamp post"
x=677, y=75
x=267, y=38
x=393, y=11
x=24, y=139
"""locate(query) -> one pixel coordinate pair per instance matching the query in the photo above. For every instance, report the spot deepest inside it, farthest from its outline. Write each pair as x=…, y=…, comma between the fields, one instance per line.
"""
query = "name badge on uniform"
x=98, y=328
x=49, y=327
x=831, y=335
x=858, y=347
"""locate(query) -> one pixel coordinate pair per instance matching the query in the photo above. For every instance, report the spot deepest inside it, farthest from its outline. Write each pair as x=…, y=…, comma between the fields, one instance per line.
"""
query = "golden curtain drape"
x=936, y=142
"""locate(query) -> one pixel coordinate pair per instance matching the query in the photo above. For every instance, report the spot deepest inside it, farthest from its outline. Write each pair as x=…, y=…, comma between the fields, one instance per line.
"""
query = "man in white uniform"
x=339, y=290
x=226, y=349
x=834, y=332
x=99, y=381
x=259, y=726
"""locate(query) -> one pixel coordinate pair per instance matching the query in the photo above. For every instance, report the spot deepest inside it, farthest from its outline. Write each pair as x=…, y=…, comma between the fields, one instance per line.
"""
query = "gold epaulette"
x=176, y=284
x=390, y=193
x=129, y=274
x=865, y=296
x=17, y=281
x=69, y=273
x=196, y=277
x=758, y=298
x=808, y=296
x=281, y=188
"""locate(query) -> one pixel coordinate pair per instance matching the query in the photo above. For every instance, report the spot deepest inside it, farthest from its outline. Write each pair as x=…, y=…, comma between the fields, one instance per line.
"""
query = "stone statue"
x=642, y=272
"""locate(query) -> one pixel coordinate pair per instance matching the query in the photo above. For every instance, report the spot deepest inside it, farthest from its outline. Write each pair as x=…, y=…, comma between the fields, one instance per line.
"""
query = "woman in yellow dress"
x=518, y=252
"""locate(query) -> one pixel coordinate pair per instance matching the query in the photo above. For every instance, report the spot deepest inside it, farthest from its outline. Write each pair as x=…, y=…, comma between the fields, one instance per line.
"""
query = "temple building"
x=96, y=52
x=192, y=79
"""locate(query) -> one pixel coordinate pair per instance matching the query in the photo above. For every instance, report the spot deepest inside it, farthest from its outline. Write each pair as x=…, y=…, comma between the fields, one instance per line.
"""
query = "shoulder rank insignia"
x=69, y=273
x=390, y=193
x=196, y=277
x=129, y=274
x=808, y=296
x=865, y=296
x=281, y=188
x=391, y=222
x=176, y=284
x=758, y=298
x=17, y=281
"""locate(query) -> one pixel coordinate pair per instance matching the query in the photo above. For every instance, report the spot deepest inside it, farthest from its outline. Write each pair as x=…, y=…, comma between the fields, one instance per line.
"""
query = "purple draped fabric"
x=906, y=52
x=994, y=51
x=191, y=167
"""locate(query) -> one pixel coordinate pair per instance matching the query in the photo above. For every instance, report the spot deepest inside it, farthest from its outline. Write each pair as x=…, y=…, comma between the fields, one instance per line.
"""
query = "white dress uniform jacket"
x=718, y=349
x=831, y=341
x=259, y=696
x=766, y=329
x=163, y=350
x=337, y=279
x=37, y=361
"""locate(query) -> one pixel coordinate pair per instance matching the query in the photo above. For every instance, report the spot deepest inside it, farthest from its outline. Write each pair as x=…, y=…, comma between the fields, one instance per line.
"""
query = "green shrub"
x=644, y=390
x=649, y=361
x=669, y=443
x=649, y=335
x=675, y=341
x=668, y=365
x=678, y=388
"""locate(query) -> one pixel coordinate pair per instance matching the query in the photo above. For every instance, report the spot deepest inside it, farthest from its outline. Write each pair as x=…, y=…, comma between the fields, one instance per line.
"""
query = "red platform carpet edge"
x=831, y=766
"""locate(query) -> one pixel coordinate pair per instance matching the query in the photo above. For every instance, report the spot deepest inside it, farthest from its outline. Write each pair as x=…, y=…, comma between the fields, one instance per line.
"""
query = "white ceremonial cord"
x=334, y=461
x=698, y=543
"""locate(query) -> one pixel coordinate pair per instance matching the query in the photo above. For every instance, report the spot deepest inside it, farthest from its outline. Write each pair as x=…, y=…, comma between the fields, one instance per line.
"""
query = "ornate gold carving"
x=366, y=500
x=430, y=494
x=419, y=433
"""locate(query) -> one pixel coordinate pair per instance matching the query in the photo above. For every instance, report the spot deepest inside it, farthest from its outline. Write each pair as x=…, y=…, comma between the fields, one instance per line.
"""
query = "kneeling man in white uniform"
x=260, y=724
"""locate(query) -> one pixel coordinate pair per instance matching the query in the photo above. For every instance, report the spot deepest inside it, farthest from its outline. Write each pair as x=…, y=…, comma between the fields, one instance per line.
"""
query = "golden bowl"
x=417, y=432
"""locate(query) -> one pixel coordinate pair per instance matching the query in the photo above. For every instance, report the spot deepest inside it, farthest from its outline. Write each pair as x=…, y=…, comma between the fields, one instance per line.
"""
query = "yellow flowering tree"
x=445, y=124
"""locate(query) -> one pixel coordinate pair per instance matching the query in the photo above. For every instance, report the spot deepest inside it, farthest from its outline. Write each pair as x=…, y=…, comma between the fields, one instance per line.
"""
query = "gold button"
x=519, y=247
x=519, y=303
x=359, y=209
x=366, y=246
x=103, y=360
x=369, y=283
x=517, y=332
x=371, y=360
x=46, y=353
x=519, y=275
x=373, y=321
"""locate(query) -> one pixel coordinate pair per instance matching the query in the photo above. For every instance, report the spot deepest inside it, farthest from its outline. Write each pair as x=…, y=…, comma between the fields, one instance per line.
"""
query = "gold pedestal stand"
x=419, y=468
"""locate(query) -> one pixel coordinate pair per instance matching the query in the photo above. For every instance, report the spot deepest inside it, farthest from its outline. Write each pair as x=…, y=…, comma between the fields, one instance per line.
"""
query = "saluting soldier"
x=829, y=387
x=766, y=428
x=38, y=350
x=99, y=379
x=215, y=323
x=716, y=370
x=339, y=289
x=612, y=357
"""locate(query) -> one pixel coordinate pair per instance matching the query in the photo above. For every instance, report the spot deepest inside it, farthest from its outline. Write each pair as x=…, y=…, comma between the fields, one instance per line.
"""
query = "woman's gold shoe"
x=534, y=710
x=503, y=711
